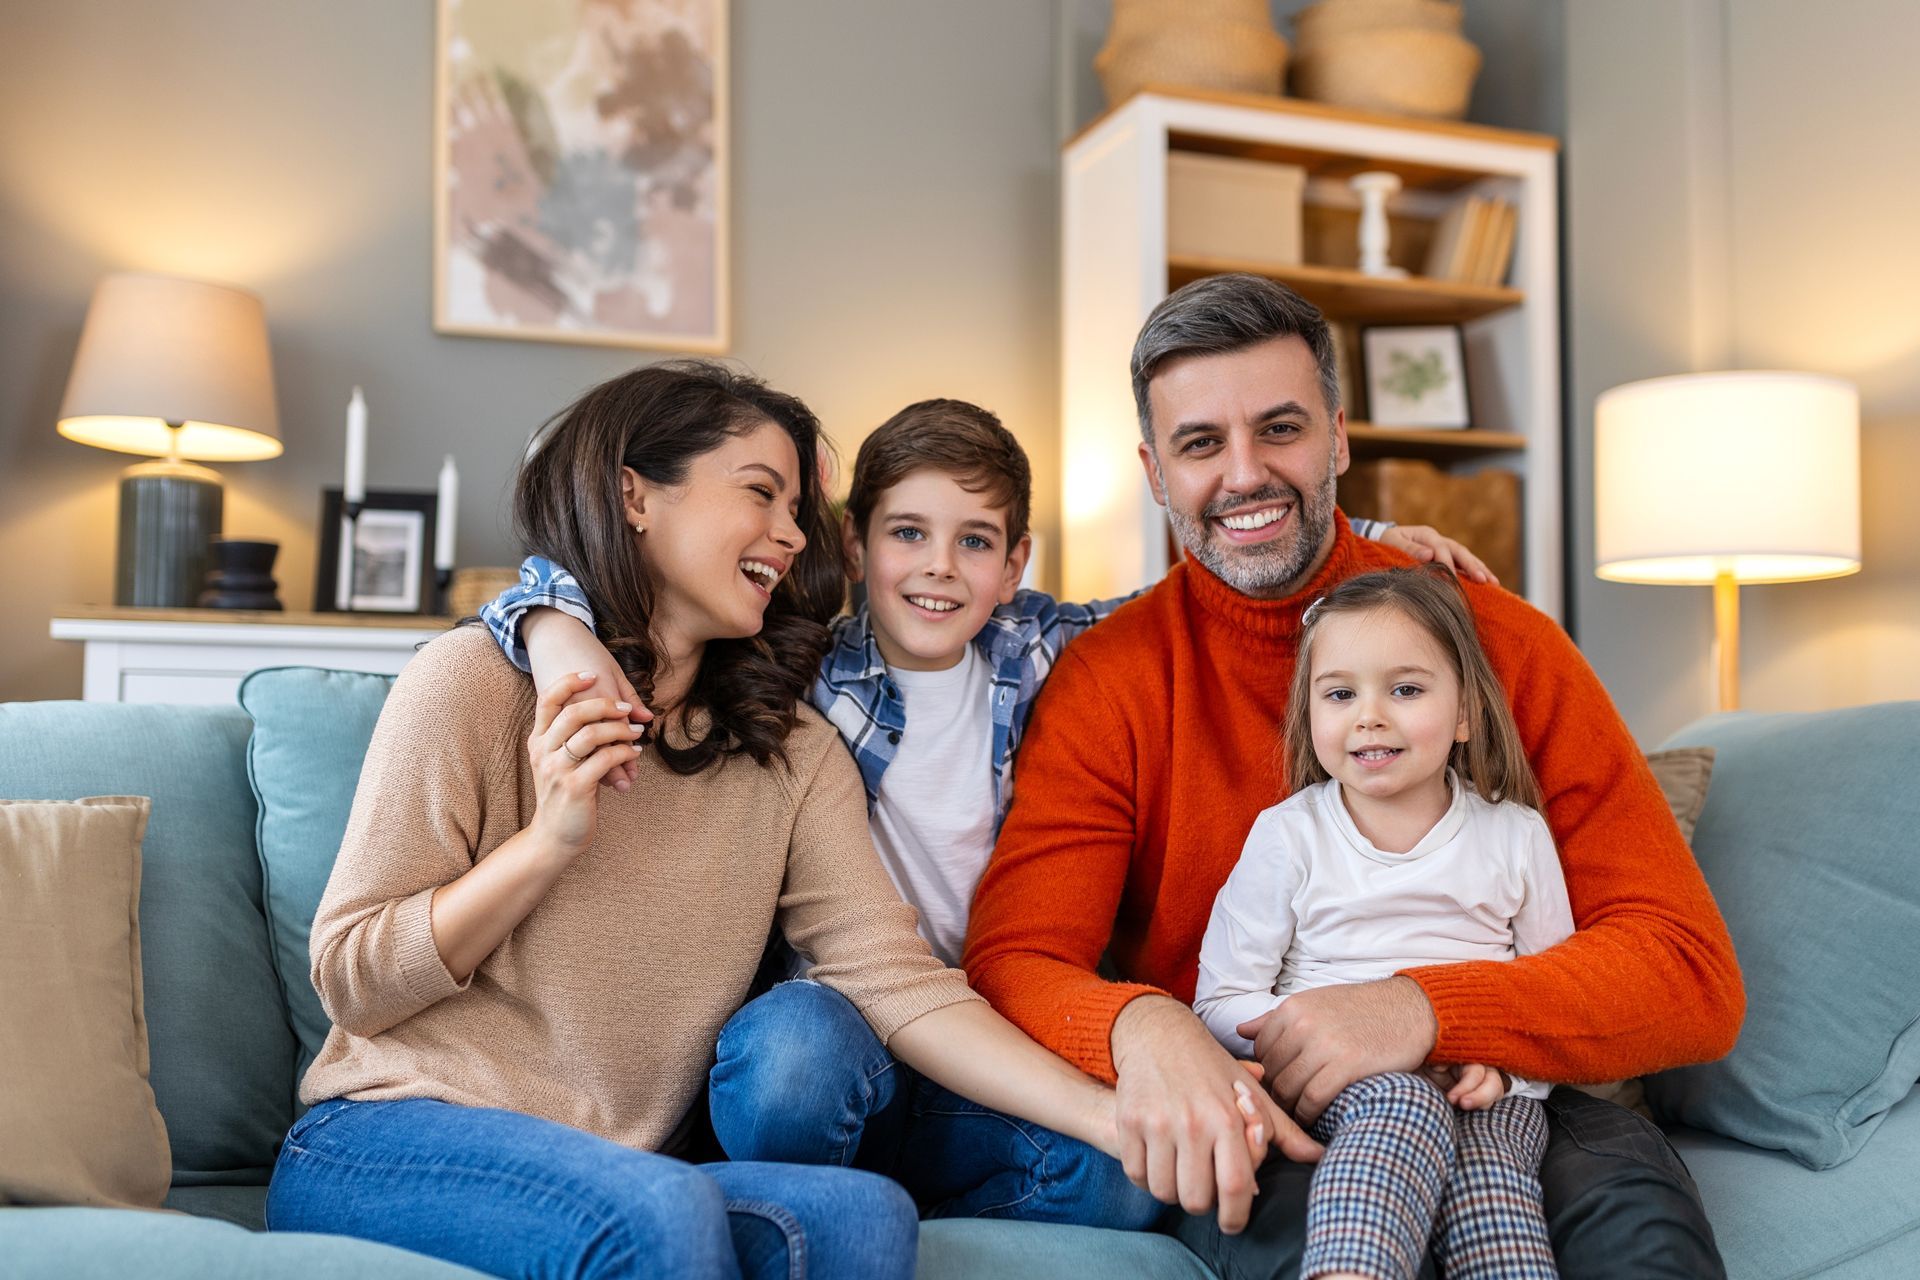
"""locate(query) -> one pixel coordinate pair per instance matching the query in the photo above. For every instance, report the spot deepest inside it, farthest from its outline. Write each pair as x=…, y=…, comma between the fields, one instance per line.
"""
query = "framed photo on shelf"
x=1415, y=376
x=580, y=172
x=392, y=559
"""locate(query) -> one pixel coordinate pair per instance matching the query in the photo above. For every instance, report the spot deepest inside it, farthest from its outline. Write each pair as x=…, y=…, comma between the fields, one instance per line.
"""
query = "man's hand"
x=1318, y=1042
x=559, y=645
x=1183, y=1133
x=1424, y=544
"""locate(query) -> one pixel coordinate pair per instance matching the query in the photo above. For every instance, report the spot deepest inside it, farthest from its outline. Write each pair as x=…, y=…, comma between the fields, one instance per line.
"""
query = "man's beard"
x=1263, y=569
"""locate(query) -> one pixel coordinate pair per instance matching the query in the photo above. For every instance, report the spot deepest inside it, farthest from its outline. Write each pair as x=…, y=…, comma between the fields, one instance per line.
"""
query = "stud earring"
x=638, y=527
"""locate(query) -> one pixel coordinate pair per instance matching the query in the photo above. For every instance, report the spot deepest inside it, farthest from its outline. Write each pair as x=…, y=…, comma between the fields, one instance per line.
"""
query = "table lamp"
x=179, y=370
x=1727, y=478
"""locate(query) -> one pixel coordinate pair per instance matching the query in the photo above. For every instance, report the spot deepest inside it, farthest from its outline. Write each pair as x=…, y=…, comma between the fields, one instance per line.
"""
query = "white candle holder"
x=1373, y=188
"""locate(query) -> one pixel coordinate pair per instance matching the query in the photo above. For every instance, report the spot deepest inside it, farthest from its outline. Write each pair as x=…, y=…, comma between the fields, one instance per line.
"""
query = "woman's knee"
x=666, y=1218
x=838, y=1222
x=553, y=1200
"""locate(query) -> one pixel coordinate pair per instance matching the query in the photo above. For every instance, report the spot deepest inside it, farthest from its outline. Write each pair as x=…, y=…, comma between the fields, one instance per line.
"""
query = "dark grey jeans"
x=1620, y=1204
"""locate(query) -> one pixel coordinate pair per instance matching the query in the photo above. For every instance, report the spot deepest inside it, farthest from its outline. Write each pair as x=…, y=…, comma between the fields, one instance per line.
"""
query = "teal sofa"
x=225, y=1058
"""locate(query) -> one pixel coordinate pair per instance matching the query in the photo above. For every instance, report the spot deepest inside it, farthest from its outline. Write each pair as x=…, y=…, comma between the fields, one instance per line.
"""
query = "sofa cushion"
x=310, y=733
x=77, y=1118
x=242, y=1206
x=220, y=1048
x=966, y=1248
x=1774, y=1219
x=1808, y=842
x=113, y=1244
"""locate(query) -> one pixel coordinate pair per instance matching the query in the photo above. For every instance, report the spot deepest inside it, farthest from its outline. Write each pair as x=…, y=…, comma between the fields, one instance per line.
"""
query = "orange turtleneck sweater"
x=1153, y=748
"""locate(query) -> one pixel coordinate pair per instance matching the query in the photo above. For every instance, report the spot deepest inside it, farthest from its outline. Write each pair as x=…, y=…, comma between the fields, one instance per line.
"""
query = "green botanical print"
x=1411, y=377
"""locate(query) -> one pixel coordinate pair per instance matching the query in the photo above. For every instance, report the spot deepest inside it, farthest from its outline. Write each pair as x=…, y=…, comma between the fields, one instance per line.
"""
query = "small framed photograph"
x=1416, y=376
x=392, y=561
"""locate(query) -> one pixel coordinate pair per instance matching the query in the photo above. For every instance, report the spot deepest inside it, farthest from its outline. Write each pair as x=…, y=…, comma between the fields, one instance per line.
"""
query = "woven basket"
x=472, y=588
x=1481, y=509
x=1404, y=72
x=1339, y=17
x=1191, y=44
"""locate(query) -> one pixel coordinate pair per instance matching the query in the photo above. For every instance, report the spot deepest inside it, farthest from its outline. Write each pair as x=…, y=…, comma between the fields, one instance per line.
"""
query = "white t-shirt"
x=1313, y=903
x=933, y=815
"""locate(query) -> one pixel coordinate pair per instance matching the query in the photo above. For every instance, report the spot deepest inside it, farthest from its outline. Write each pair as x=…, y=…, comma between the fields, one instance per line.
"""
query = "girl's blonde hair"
x=1492, y=758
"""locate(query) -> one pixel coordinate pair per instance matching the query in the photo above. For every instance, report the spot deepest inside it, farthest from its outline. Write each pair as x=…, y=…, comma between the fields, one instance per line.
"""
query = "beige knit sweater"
x=602, y=1008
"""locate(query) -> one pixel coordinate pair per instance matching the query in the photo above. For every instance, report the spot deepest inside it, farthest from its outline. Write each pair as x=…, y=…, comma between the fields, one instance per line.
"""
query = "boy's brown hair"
x=962, y=440
x=1492, y=758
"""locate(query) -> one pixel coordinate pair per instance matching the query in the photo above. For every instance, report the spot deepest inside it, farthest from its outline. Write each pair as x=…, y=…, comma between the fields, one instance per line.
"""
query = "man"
x=1154, y=747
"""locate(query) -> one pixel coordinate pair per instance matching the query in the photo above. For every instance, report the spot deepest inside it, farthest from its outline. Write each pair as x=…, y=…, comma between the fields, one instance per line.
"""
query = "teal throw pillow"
x=1810, y=839
x=311, y=729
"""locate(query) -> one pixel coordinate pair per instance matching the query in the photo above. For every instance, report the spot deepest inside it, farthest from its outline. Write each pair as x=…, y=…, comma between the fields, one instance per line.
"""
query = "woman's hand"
x=576, y=742
x=558, y=646
x=1428, y=544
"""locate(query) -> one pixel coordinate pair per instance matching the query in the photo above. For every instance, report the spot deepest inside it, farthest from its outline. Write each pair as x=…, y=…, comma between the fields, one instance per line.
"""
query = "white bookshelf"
x=1115, y=268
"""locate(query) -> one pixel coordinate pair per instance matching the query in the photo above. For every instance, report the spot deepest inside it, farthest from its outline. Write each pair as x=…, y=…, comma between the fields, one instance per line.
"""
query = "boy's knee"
x=673, y=1219
x=796, y=1074
x=791, y=1018
x=796, y=1031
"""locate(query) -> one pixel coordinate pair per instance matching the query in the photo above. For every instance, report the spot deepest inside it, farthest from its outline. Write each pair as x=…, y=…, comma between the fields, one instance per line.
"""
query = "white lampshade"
x=1755, y=474
x=159, y=350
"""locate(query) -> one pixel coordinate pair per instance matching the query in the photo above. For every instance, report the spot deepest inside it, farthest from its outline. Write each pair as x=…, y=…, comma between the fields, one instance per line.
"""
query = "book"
x=1479, y=252
x=1500, y=256
x=1445, y=255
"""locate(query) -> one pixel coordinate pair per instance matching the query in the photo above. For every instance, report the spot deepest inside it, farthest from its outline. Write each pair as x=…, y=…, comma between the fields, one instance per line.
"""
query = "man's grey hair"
x=1221, y=314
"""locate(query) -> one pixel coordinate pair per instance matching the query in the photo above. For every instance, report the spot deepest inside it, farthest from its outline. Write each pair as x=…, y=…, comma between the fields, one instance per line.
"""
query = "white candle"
x=356, y=486
x=443, y=522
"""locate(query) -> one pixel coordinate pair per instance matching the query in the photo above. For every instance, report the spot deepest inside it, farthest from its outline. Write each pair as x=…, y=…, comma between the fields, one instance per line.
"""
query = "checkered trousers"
x=1404, y=1170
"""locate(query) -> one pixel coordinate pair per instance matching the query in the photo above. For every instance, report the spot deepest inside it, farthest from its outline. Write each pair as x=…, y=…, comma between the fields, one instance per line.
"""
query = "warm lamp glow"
x=1756, y=475
x=1727, y=478
x=159, y=350
x=206, y=441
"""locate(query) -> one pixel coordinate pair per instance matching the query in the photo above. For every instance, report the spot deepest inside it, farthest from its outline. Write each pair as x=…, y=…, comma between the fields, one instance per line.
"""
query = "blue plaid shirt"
x=1020, y=642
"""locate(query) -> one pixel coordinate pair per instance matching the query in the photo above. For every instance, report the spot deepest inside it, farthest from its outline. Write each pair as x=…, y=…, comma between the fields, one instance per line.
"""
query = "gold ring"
x=569, y=750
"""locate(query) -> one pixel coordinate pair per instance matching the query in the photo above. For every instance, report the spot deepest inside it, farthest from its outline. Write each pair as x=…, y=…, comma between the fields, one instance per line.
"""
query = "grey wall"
x=1739, y=179
x=1740, y=186
x=894, y=238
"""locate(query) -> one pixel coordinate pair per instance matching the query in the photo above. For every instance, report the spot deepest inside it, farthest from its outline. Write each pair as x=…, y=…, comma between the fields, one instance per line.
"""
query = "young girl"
x=1411, y=837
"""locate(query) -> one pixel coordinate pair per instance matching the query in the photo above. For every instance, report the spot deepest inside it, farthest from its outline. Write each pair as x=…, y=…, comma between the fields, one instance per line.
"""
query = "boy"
x=936, y=529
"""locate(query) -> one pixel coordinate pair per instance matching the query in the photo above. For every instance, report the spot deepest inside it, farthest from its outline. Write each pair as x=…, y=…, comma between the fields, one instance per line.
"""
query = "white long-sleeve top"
x=1313, y=903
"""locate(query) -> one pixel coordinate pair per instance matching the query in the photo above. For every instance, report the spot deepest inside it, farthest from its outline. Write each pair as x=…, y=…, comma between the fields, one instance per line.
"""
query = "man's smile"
x=1255, y=524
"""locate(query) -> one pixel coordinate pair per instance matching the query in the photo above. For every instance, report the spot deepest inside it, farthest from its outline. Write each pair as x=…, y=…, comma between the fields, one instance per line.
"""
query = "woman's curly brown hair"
x=567, y=507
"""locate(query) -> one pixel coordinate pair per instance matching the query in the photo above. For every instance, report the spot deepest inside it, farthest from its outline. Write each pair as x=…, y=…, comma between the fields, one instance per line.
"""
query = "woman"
x=527, y=972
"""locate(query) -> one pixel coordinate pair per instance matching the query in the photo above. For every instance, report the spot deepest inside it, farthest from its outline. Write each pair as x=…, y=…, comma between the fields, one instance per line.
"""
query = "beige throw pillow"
x=78, y=1124
x=1683, y=774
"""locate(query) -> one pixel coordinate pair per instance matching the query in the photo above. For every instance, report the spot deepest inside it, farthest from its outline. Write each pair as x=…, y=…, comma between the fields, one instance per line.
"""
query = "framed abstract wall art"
x=580, y=172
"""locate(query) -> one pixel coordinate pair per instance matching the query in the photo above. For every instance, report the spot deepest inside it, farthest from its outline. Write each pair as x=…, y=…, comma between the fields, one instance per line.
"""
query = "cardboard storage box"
x=1223, y=207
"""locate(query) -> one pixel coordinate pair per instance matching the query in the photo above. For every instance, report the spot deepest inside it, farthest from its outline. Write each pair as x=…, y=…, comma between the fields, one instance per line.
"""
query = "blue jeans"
x=515, y=1195
x=801, y=1078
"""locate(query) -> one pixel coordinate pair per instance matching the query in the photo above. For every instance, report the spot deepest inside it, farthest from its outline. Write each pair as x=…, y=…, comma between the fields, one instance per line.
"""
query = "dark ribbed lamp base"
x=169, y=512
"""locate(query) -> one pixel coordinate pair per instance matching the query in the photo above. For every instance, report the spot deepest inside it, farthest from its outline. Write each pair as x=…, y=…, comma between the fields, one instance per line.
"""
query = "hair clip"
x=1306, y=619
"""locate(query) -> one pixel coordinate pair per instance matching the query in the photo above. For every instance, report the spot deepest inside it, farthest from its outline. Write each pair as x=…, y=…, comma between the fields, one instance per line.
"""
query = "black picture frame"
x=394, y=564
x=1447, y=343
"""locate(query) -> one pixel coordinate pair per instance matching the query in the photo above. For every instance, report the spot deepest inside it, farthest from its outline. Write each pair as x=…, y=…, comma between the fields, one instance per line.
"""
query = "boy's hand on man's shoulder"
x=1427, y=544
